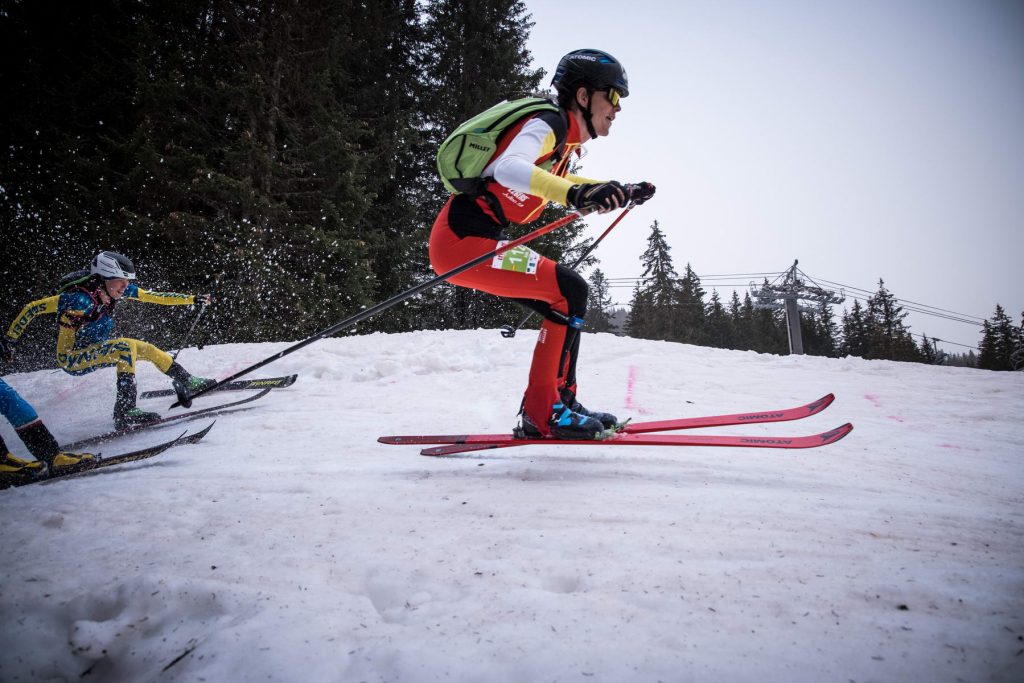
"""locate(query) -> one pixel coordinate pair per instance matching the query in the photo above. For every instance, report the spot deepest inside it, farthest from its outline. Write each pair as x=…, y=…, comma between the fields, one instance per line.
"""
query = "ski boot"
x=607, y=420
x=68, y=463
x=49, y=460
x=190, y=382
x=126, y=413
x=15, y=471
x=563, y=424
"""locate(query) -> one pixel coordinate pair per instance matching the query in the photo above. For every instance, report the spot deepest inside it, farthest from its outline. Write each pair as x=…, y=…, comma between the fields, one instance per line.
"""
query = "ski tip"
x=192, y=438
x=836, y=434
x=822, y=403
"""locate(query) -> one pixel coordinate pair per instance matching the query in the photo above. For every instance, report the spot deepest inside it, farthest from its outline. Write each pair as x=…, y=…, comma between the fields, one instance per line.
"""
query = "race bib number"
x=521, y=259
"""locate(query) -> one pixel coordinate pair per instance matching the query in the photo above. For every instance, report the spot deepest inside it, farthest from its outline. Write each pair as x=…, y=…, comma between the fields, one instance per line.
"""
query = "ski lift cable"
x=907, y=301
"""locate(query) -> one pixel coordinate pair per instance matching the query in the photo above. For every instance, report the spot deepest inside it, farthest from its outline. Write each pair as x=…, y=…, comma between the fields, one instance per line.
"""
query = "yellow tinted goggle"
x=613, y=97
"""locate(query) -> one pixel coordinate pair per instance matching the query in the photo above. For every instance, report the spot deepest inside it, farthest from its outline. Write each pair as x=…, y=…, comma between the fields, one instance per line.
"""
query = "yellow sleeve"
x=555, y=188
x=550, y=186
x=164, y=298
x=47, y=306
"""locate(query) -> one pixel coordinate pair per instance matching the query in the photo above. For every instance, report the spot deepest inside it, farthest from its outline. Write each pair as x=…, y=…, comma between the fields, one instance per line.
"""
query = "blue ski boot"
x=607, y=420
x=563, y=424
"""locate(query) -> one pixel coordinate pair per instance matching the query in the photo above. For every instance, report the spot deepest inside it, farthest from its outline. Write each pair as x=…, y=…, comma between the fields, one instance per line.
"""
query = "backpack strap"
x=559, y=122
x=75, y=279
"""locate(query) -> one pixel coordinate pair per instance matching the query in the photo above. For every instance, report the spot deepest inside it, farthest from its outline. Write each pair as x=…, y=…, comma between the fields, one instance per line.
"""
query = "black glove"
x=6, y=349
x=602, y=196
x=640, y=192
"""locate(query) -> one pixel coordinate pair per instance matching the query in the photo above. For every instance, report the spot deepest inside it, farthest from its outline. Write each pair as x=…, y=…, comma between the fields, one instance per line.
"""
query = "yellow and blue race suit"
x=85, y=338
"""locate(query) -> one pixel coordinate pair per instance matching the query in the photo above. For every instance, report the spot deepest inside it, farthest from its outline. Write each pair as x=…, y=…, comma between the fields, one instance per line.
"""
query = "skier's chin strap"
x=589, y=115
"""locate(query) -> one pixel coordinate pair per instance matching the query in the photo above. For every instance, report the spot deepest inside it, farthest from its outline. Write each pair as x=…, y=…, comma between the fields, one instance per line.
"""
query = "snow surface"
x=290, y=546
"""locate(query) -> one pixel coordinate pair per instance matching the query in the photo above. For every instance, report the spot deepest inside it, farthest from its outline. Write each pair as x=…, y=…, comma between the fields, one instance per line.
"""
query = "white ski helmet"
x=110, y=264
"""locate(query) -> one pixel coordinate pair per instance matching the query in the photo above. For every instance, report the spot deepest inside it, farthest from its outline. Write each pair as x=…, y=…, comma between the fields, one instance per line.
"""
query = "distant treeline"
x=673, y=308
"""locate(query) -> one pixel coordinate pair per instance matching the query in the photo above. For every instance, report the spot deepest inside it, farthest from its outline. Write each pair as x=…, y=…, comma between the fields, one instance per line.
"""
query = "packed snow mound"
x=289, y=545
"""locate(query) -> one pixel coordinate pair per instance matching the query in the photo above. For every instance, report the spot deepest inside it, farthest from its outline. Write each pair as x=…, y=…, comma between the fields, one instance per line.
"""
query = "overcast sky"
x=870, y=139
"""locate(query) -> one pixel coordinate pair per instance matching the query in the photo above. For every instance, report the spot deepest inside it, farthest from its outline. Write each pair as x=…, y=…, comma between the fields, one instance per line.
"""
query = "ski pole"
x=185, y=399
x=179, y=389
x=202, y=309
x=507, y=331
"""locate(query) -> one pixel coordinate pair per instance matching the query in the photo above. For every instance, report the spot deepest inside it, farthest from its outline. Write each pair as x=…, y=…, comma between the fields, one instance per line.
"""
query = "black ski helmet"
x=110, y=264
x=595, y=69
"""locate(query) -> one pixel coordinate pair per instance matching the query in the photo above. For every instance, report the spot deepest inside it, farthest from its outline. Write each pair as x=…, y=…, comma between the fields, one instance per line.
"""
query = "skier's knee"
x=574, y=288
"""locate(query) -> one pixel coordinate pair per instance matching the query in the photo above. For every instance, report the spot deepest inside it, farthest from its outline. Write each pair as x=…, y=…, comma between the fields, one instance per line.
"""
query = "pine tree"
x=718, y=329
x=655, y=297
x=887, y=336
x=739, y=326
x=855, y=332
x=641, y=312
x=689, y=323
x=742, y=321
x=999, y=340
x=599, y=301
x=988, y=353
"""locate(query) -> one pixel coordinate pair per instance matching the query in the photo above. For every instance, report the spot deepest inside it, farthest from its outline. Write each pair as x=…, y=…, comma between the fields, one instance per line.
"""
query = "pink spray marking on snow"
x=630, y=391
